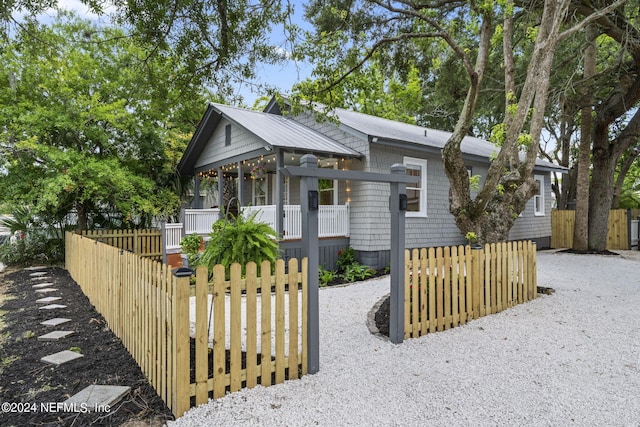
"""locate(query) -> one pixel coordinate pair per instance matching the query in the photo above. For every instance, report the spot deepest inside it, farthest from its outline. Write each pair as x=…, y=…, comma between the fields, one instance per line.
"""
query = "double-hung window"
x=416, y=193
x=538, y=199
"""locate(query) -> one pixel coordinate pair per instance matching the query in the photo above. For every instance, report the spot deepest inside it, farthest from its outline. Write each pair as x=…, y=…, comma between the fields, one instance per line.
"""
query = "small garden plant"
x=349, y=268
x=190, y=246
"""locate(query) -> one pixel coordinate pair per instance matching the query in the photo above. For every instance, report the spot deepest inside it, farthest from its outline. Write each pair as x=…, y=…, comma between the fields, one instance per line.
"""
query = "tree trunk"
x=83, y=221
x=581, y=229
x=601, y=192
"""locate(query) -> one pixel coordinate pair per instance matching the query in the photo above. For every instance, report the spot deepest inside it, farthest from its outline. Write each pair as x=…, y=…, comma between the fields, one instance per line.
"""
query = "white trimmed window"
x=328, y=188
x=260, y=191
x=416, y=193
x=538, y=199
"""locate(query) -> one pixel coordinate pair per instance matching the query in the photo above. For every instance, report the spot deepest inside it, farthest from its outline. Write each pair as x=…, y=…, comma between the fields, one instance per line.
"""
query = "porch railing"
x=199, y=221
x=333, y=220
x=173, y=236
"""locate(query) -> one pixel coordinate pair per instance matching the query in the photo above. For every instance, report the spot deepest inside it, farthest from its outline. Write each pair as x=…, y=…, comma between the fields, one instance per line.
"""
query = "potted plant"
x=191, y=246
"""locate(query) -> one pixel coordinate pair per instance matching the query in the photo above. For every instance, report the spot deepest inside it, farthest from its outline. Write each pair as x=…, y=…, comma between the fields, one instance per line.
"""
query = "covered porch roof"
x=275, y=131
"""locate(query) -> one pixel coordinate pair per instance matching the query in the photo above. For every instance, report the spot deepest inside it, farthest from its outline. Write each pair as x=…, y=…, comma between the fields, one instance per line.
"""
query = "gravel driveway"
x=572, y=358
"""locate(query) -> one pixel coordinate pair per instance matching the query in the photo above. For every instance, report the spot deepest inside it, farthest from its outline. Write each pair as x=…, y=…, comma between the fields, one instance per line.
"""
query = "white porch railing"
x=173, y=236
x=199, y=221
x=333, y=220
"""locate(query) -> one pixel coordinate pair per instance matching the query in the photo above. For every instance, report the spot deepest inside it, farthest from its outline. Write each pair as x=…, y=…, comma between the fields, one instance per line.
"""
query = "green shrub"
x=36, y=247
x=325, y=276
x=356, y=272
x=190, y=246
x=346, y=257
x=240, y=240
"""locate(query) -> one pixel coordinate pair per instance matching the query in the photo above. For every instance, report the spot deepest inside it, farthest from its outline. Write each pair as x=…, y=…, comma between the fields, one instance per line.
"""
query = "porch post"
x=309, y=210
x=221, y=192
x=397, y=206
x=279, y=193
x=196, y=190
x=240, y=183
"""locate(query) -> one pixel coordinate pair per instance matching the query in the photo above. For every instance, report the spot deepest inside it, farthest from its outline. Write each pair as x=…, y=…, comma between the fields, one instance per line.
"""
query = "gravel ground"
x=572, y=358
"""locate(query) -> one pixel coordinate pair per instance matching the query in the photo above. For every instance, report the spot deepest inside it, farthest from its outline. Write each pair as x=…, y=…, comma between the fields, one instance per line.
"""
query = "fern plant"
x=240, y=240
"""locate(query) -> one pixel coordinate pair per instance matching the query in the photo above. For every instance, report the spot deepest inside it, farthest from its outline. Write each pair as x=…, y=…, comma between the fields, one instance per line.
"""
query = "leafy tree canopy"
x=91, y=124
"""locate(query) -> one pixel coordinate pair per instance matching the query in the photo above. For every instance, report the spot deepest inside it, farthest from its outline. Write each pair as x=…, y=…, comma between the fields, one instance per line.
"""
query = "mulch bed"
x=25, y=379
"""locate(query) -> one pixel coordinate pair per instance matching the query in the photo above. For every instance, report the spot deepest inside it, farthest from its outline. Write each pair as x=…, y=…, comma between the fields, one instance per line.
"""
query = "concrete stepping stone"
x=42, y=285
x=36, y=267
x=98, y=398
x=41, y=278
x=55, y=322
x=52, y=306
x=61, y=357
x=38, y=274
x=55, y=335
x=45, y=290
x=47, y=300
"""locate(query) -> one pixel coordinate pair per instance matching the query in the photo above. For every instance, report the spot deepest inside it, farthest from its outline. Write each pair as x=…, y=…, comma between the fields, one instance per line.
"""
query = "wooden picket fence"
x=563, y=223
x=164, y=321
x=144, y=242
x=447, y=287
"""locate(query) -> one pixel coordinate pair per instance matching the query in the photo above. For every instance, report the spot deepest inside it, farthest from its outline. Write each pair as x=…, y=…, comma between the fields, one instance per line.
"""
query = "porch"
x=333, y=222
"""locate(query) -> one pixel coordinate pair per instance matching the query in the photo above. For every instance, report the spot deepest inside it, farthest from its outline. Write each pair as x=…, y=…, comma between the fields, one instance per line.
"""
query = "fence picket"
x=252, y=355
x=446, y=287
x=202, y=336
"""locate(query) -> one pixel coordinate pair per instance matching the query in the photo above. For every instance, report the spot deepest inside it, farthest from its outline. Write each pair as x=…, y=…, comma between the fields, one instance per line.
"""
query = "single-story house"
x=248, y=147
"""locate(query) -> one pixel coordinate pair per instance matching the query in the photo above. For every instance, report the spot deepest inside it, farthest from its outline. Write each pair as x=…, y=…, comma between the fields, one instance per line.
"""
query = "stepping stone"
x=98, y=398
x=47, y=300
x=45, y=290
x=55, y=335
x=38, y=274
x=52, y=306
x=35, y=268
x=61, y=357
x=55, y=322
x=41, y=278
x=42, y=285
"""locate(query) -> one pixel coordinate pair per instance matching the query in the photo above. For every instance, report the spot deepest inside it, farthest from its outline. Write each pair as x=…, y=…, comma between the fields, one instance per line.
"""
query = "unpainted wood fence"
x=447, y=287
x=166, y=325
x=144, y=242
x=618, y=235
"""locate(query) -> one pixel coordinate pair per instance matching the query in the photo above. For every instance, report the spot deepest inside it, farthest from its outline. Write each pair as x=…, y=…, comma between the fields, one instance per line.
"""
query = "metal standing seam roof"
x=280, y=131
x=404, y=132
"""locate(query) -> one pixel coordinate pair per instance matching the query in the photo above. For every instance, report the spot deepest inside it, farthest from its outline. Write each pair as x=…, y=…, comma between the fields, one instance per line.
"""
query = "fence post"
x=629, y=238
x=180, y=345
x=163, y=240
x=476, y=257
x=397, y=206
x=309, y=204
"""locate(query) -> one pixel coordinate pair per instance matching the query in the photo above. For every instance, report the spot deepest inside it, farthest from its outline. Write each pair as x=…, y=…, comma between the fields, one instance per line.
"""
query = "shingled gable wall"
x=369, y=228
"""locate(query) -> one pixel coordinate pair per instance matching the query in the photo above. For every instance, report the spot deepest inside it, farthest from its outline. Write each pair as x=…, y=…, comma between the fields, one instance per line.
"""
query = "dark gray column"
x=197, y=200
x=396, y=312
x=240, y=184
x=309, y=208
x=279, y=194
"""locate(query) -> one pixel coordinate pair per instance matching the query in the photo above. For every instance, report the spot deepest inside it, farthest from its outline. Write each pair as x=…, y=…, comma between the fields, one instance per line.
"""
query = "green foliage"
x=38, y=246
x=325, y=276
x=354, y=272
x=240, y=240
x=190, y=246
x=474, y=182
x=471, y=237
x=346, y=257
x=91, y=125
